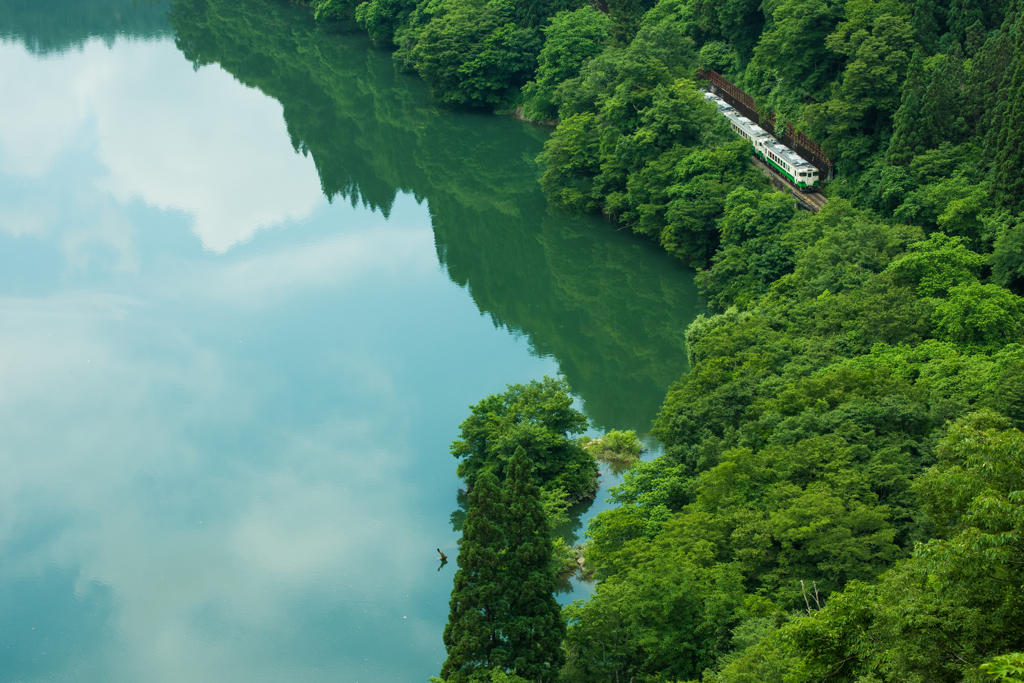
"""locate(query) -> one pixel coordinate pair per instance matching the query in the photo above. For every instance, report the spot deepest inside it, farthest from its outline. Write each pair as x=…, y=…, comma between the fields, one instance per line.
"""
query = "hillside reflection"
x=47, y=26
x=611, y=309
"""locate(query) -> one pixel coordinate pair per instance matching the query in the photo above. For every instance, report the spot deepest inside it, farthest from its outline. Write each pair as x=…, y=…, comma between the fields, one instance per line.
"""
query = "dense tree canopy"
x=539, y=418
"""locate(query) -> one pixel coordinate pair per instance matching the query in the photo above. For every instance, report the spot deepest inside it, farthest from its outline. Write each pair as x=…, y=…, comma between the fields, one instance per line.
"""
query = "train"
x=780, y=158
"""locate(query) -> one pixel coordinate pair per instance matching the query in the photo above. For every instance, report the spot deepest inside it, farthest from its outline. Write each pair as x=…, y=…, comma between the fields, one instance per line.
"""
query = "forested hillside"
x=842, y=492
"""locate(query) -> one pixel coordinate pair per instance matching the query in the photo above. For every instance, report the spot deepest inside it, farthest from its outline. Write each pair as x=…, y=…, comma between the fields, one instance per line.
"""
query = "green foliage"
x=473, y=52
x=717, y=56
x=616, y=446
x=334, y=10
x=975, y=497
x=942, y=111
x=754, y=251
x=382, y=18
x=563, y=557
x=792, y=53
x=572, y=159
x=539, y=418
x=908, y=134
x=938, y=265
x=939, y=614
x=556, y=509
x=813, y=514
x=503, y=613
x=850, y=339
x=472, y=634
x=1008, y=142
x=499, y=676
x=531, y=622
x=690, y=192
x=556, y=506
x=489, y=676
x=626, y=18
x=850, y=251
x=1008, y=668
x=979, y=316
x=668, y=622
x=570, y=41
x=737, y=22
x=641, y=145
x=535, y=13
x=1007, y=258
x=876, y=41
x=648, y=493
x=782, y=514
x=675, y=186
x=470, y=53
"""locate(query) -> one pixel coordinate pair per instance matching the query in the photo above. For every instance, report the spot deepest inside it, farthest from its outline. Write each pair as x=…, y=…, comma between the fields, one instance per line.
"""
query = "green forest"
x=841, y=494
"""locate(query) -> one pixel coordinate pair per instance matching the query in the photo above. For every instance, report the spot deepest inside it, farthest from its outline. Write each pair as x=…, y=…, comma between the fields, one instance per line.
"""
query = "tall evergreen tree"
x=1009, y=143
x=533, y=626
x=963, y=14
x=926, y=27
x=975, y=38
x=906, y=141
x=472, y=636
x=907, y=134
x=989, y=69
x=941, y=119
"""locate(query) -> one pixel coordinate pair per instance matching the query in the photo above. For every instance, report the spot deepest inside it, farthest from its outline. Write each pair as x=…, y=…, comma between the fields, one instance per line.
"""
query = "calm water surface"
x=250, y=279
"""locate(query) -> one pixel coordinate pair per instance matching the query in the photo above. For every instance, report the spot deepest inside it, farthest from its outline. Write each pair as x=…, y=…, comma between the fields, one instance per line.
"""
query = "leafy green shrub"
x=1008, y=668
x=616, y=446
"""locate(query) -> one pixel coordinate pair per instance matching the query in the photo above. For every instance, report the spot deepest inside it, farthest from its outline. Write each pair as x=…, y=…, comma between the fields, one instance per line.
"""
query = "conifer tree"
x=926, y=28
x=532, y=624
x=974, y=39
x=962, y=15
x=940, y=106
x=907, y=135
x=1009, y=144
x=990, y=69
x=471, y=636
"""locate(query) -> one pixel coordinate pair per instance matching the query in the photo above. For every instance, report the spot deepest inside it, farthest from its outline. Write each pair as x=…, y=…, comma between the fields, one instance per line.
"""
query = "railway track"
x=812, y=201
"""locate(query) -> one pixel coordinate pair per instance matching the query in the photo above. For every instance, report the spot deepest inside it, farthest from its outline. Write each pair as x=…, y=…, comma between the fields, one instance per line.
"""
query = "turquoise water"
x=250, y=279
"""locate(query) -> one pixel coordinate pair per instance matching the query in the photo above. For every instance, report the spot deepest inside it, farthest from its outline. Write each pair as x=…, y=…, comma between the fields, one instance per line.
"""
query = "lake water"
x=250, y=280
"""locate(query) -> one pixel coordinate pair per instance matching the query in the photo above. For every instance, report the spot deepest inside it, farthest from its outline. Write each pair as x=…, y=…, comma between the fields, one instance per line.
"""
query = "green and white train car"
x=785, y=161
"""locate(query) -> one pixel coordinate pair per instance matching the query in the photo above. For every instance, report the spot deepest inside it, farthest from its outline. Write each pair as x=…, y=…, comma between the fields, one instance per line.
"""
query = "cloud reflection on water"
x=203, y=545
x=200, y=143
